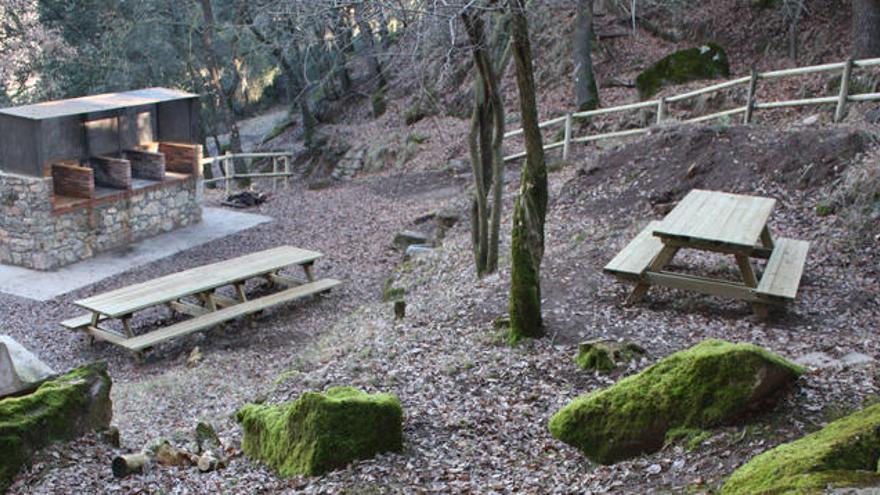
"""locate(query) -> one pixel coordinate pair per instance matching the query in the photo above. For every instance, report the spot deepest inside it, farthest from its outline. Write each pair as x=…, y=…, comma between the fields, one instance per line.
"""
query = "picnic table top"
x=735, y=220
x=124, y=301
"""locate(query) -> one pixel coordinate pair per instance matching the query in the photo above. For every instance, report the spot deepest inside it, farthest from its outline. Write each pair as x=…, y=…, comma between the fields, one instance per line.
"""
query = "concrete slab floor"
x=42, y=286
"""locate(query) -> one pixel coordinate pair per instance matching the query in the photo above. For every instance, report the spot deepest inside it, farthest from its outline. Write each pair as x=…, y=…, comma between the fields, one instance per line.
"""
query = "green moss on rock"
x=843, y=454
x=605, y=355
x=703, y=62
x=321, y=432
x=60, y=409
x=710, y=384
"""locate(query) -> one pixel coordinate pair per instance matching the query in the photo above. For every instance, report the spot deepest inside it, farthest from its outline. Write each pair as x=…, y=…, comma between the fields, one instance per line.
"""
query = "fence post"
x=750, y=102
x=227, y=173
x=661, y=110
x=288, y=170
x=844, y=90
x=275, y=171
x=566, y=144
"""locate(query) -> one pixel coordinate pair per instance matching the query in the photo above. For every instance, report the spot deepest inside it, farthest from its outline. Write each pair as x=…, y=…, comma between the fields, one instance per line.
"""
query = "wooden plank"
x=214, y=318
x=621, y=108
x=722, y=288
x=801, y=70
x=188, y=309
x=178, y=285
x=633, y=259
x=286, y=281
x=609, y=135
x=822, y=100
x=782, y=276
x=223, y=301
x=731, y=220
x=106, y=335
x=718, y=115
x=709, y=89
x=80, y=322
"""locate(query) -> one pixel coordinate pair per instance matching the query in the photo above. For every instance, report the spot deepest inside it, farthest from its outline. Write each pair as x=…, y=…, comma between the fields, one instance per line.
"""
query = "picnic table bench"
x=193, y=293
x=721, y=223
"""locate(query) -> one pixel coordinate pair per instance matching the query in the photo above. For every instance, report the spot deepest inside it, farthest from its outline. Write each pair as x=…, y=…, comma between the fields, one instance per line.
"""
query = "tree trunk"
x=366, y=35
x=527, y=237
x=866, y=28
x=218, y=93
x=586, y=92
x=484, y=142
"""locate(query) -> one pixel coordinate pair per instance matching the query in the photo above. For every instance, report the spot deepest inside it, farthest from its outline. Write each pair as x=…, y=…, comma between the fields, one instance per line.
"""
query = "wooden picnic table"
x=193, y=292
x=717, y=222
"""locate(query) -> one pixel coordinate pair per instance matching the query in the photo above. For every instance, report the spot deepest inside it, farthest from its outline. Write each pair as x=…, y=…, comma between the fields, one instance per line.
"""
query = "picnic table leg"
x=126, y=325
x=96, y=317
x=309, y=274
x=663, y=258
x=766, y=238
x=207, y=299
x=749, y=278
x=239, y=288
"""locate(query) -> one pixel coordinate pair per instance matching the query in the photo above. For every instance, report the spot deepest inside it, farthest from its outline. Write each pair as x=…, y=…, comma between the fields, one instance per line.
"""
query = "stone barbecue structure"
x=86, y=175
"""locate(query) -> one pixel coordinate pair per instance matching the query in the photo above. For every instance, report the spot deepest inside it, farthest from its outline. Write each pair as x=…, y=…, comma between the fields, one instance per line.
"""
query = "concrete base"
x=42, y=286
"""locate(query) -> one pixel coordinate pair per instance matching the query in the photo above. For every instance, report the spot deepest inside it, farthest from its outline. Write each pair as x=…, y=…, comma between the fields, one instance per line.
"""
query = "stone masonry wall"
x=34, y=236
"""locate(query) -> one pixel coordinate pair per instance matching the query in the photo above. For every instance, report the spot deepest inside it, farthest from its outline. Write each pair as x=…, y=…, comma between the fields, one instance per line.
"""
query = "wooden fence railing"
x=747, y=110
x=282, y=168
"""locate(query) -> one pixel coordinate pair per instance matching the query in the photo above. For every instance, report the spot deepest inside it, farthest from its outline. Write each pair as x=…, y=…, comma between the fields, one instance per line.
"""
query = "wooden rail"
x=840, y=100
x=282, y=169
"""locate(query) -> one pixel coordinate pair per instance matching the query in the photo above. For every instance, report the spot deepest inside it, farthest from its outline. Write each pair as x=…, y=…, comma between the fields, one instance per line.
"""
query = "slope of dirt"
x=663, y=166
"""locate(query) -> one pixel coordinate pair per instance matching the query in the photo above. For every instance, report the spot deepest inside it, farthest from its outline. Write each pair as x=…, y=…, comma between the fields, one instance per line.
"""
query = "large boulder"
x=703, y=62
x=20, y=369
x=710, y=384
x=319, y=432
x=843, y=454
x=61, y=409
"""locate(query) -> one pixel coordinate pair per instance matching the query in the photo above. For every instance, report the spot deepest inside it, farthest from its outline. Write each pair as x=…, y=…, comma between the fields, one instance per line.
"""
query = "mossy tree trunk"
x=484, y=142
x=527, y=242
x=586, y=91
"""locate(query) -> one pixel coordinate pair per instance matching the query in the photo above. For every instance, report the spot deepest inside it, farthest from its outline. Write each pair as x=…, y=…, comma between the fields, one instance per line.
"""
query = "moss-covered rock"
x=60, y=409
x=703, y=62
x=321, y=432
x=710, y=384
x=605, y=355
x=843, y=454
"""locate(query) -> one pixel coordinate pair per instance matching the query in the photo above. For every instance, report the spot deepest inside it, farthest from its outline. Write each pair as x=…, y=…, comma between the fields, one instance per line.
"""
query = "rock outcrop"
x=703, y=62
x=710, y=384
x=20, y=369
x=844, y=454
x=320, y=432
x=61, y=409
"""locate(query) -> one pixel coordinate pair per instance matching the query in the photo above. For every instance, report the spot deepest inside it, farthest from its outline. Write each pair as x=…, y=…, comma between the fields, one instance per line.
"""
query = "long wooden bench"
x=214, y=318
x=631, y=262
x=782, y=275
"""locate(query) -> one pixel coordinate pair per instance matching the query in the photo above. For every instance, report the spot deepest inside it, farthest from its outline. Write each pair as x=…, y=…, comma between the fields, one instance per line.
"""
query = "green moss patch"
x=319, y=432
x=843, y=454
x=605, y=355
x=703, y=62
x=60, y=409
x=710, y=384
